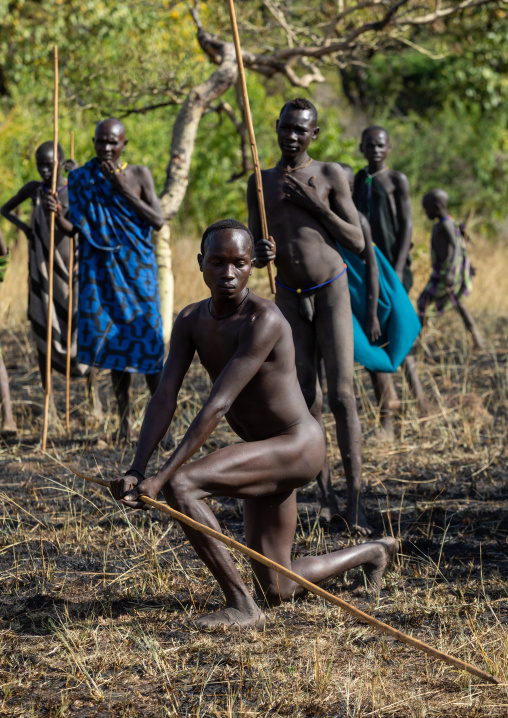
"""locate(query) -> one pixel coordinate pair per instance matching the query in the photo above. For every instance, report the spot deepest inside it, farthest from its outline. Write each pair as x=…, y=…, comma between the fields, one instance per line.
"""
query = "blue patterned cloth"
x=119, y=319
x=398, y=320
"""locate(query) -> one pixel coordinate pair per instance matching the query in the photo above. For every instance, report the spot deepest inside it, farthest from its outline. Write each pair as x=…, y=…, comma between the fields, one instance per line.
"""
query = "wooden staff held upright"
x=51, y=259
x=69, y=321
x=252, y=137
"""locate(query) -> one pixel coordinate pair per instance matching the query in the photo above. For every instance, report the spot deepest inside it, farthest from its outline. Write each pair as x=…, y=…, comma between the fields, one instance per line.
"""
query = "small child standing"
x=451, y=277
x=7, y=423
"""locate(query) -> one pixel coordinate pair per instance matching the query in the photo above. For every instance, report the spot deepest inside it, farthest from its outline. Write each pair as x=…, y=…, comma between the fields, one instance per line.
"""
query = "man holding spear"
x=246, y=346
x=309, y=210
x=38, y=235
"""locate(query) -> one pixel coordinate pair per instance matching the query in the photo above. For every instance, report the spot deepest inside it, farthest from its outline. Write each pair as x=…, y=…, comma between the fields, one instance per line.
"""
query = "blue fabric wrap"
x=398, y=320
x=119, y=319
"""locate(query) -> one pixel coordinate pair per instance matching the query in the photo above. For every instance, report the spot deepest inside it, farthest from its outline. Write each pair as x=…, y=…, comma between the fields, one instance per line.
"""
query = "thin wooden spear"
x=69, y=321
x=252, y=137
x=335, y=600
x=51, y=258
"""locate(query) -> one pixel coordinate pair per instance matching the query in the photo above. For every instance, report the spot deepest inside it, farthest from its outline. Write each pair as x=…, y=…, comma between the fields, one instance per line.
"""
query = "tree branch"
x=439, y=13
x=239, y=125
x=147, y=108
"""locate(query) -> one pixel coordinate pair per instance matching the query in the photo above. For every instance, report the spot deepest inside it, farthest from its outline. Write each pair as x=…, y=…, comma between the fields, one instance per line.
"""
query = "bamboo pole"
x=252, y=137
x=69, y=321
x=51, y=257
x=317, y=590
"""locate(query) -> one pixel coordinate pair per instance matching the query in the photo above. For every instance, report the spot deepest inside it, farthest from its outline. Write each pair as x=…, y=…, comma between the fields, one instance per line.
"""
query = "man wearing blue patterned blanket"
x=114, y=207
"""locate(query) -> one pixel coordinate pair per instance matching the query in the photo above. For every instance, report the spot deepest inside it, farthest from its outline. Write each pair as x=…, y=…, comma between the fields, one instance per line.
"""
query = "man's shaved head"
x=300, y=103
x=438, y=196
x=47, y=148
x=110, y=125
x=110, y=140
x=224, y=224
x=375, y=128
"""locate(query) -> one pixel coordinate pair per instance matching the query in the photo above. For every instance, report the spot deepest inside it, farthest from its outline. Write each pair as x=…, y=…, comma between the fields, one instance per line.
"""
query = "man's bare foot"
x=478, y=342
x=422, y=407
x=8, y=428
x=124, y=434
x=394, y=404
x=357, y=521
x=329, y=511
x=375, y=570
x=385, y=432
x=228, y=617
x=95, y=417
x=97, y=413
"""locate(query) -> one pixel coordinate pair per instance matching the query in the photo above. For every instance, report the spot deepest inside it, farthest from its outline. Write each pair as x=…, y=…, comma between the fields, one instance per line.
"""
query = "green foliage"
x=448, y=116
x=112, y=55
x=466, y=158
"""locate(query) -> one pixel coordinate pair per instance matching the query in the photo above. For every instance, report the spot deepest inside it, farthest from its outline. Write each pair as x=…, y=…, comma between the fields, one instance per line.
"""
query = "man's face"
x=430, y=207
x=375, y=146
x=109, y=141
x=44, y=160
x=226, y=263
x=295, y=131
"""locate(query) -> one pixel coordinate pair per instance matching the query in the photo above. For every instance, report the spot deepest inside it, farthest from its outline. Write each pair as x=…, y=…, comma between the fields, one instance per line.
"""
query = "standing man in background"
x=309, y=209
x=114, y=208
x=382, y=195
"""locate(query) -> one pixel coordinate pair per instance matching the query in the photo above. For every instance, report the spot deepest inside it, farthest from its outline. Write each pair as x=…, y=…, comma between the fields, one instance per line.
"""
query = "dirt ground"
x=96, y=603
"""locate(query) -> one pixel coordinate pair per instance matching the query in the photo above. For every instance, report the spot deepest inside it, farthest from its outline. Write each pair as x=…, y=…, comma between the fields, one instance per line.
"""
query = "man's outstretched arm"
x=7, y=210
x=255, y=342
x=161, y=407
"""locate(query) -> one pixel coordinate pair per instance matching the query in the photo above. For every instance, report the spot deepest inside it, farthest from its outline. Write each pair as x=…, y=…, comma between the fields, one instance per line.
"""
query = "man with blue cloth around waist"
x=114, y=207
x=308, y=206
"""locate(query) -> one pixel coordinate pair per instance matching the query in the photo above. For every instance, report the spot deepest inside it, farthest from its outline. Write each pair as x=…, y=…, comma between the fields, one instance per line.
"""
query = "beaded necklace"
x=226, y=316
x=370, y=176
x=49, y=191
x=289, y=170
x=366, y=191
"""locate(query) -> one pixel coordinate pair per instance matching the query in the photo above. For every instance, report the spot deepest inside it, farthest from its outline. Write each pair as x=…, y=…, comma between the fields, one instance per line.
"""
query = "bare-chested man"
x=246, y=346
x=382, y=194
x=114, y=207
x=309, y=208
x=38, y=235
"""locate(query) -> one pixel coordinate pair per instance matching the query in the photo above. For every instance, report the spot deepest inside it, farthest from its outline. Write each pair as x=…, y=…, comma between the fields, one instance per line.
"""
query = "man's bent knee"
x=178, y=491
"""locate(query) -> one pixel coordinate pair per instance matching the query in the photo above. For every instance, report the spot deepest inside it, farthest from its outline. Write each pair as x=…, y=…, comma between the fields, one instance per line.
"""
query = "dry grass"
x=97, y=603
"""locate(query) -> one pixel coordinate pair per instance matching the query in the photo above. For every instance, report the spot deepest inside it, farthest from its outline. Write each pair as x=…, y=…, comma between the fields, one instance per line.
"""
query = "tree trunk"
x=177, y=172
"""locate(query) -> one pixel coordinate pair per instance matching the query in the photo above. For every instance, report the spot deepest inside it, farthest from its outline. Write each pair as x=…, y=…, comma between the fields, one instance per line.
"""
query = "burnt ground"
x=79, y=574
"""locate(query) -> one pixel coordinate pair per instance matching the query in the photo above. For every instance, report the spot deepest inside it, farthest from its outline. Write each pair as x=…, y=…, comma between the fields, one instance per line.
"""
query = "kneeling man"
x=246, y=346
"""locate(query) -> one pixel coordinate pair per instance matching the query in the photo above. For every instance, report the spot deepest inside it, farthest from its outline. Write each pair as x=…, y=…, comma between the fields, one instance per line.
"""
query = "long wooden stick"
x=51, y=258
x=69, y=321
x=252, y=137
x=335, y=600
